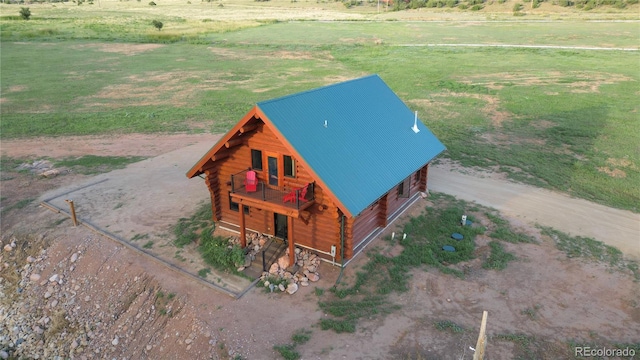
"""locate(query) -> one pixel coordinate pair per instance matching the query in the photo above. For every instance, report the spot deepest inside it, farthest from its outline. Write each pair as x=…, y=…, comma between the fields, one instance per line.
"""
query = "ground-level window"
x=256, y=159
x=289, y=166
x=234, y=206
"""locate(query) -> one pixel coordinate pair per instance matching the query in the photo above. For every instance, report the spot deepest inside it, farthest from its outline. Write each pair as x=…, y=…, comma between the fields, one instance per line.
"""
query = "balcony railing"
x=295, y=198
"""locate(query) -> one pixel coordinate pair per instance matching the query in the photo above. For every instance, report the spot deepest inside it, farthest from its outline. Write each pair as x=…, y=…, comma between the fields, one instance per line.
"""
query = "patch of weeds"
x=448, y=325
x=8, y=164
x=455, y=86
x=318, y=291
x=204, y=272
x=348, y=312
x=589, y=248
x=287, y=351
x=178, y=256
x=164, y=302
x=499, y=258
x=301, y=336
x=139, y=237
x=19, y=205
x=118, y=206
x=148, y=245
x=59, y=323
x=187, y=230
x=339, y=326
x=532, y=312
x=92, y=164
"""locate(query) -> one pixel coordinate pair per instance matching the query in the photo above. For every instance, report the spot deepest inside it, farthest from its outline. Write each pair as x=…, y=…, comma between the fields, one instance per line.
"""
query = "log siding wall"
x=378, y=214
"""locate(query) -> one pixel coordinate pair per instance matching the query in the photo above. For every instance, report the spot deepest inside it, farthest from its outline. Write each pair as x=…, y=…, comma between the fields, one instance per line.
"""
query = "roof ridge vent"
x=415, y=124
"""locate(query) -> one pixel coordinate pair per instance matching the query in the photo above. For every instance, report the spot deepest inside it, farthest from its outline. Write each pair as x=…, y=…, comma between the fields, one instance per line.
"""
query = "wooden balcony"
x=286, y=201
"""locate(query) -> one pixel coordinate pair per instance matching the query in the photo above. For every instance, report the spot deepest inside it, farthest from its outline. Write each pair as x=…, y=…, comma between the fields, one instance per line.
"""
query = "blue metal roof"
x=367, y=146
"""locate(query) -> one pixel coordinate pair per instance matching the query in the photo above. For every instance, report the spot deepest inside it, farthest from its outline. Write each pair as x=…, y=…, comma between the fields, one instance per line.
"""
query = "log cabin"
x=326, y=169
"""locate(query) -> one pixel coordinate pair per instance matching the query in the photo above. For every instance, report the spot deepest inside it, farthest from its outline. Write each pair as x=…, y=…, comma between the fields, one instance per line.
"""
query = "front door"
x=280, y=224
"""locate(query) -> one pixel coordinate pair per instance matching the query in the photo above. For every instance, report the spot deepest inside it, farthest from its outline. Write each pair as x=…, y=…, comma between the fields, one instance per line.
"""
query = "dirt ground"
x=108, y=294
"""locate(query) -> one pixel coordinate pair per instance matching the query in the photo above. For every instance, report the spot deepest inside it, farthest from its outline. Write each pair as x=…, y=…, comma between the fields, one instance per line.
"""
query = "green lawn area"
x=564, y=119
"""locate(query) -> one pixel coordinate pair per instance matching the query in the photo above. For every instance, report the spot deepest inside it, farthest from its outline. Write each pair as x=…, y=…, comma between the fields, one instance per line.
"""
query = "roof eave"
x=197, y=168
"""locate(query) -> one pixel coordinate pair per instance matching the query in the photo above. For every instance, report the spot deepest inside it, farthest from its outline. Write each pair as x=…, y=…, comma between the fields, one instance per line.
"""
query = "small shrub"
x=477, y=7
x=463, y=6
x=517, y=7
x=203, y=272
x=157, y=24
x=152, y=3
x=25, y=13
x=219, y=253
x=148, y=245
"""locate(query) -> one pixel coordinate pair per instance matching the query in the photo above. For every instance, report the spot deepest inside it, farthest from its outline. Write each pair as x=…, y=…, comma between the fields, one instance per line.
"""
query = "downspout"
x=341, y=250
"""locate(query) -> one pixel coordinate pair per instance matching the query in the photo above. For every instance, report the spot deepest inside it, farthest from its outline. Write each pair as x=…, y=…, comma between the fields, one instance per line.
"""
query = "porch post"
x=292, y=248
x=243, y=234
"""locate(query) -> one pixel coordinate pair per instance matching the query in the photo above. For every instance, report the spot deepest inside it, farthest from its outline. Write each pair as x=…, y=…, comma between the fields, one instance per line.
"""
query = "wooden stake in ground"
x=482, y=338
x=73, y=212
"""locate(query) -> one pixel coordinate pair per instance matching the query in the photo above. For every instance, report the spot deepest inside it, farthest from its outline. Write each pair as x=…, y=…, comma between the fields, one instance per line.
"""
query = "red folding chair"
x=292, y=195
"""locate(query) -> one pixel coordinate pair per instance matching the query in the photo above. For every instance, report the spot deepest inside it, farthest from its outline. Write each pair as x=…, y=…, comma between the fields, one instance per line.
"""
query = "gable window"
x=403, y=188
x=256, y=159
x=234, y=206
x=289, y=166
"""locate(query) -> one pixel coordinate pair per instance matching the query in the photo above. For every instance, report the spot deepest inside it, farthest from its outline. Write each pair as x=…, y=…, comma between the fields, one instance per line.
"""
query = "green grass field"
x=565, y=119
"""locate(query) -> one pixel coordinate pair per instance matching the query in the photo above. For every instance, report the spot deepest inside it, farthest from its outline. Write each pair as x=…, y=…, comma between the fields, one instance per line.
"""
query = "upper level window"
x=289, y=166
x=256, y=159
